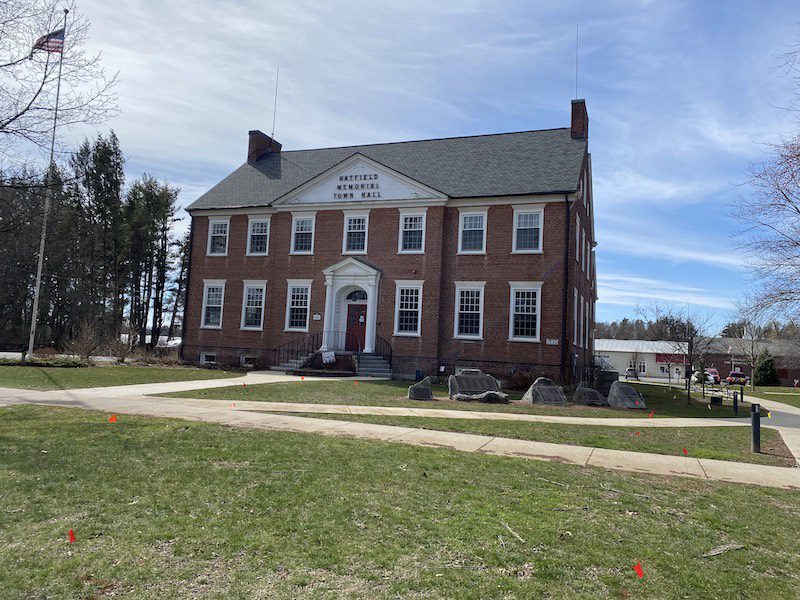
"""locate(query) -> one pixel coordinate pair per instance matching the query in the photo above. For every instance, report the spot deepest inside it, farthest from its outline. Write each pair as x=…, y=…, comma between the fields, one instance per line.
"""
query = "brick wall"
x=439, y=267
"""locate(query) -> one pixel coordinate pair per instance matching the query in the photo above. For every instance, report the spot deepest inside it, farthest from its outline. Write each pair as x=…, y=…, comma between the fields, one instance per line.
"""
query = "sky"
x=682, y=97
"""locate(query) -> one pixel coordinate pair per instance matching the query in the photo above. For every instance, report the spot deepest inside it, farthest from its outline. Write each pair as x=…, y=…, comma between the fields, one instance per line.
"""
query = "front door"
x=356, y=332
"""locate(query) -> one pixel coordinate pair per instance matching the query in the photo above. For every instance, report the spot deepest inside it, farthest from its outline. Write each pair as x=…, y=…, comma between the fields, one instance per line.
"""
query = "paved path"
x=129, y=400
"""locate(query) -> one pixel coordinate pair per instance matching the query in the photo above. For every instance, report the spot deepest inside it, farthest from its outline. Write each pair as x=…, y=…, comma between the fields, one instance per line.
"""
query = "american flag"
x=52, y=42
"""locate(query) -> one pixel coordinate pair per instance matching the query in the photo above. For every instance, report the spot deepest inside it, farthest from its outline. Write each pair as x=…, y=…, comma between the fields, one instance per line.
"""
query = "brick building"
x=418, y=256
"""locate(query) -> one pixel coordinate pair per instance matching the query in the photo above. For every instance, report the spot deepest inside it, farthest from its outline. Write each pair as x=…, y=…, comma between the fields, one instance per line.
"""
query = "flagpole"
x=47, y=192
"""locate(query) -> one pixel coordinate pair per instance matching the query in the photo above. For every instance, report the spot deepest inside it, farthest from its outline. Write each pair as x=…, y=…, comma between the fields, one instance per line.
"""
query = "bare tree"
x=770, y=214
x=85, y=341
x=688, y=334
x=28, y=79
x=750, y=343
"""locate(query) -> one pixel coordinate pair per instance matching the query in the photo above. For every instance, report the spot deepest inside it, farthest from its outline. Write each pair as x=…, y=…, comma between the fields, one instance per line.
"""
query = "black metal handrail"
x=383, y=349
x=297, y=349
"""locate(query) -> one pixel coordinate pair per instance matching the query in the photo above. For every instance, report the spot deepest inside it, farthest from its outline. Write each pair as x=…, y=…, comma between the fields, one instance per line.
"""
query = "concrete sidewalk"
x=637, y=462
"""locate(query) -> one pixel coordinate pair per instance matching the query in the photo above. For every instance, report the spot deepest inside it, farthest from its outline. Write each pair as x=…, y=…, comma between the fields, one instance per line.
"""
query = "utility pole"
x=47, y=192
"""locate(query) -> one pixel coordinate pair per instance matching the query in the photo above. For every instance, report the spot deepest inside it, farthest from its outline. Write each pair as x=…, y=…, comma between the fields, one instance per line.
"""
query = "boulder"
x=623, y=395
x=421, y=390
x=605, y=379
x=545, y=391
x=588, y=396
x=474, y=385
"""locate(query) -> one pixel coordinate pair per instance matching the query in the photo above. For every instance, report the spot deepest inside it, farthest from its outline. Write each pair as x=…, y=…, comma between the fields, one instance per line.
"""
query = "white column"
x=327, y=324
x=372, y=312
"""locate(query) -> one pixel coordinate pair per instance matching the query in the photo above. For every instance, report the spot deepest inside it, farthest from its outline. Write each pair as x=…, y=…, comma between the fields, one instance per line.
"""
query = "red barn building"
x=418, y=256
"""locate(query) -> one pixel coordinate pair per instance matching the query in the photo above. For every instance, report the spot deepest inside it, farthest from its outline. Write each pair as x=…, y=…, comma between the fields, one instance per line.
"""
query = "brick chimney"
x=580, y=120
x=259, y=145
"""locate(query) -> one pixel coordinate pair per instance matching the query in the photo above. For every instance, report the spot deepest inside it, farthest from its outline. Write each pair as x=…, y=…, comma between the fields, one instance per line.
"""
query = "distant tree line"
x=112, y=260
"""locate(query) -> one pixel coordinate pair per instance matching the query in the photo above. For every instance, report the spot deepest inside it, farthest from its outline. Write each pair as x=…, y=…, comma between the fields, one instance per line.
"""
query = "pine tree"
x=766, y=373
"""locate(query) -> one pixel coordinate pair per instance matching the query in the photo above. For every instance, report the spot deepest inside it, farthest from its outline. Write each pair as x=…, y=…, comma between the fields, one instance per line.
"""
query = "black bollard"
x=735, y=403
x=755, y=423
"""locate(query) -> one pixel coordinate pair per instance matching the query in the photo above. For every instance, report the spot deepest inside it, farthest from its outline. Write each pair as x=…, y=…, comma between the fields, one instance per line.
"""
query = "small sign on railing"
x=328, y=357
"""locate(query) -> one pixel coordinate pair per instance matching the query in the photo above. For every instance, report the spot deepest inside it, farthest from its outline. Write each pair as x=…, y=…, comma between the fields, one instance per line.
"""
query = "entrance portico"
x=346, y=283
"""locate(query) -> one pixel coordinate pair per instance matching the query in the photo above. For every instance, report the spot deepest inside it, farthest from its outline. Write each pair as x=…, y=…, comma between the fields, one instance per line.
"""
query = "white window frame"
x=472, y=212
x=577, y=237
x=583, y=247
x=586, y=329
x=211, y=222
x=251, y=220
x=355, y=215
x=252, y=283
x=580, y=340
x=524, y=286
x=291, y=283
x=405, y=284
x=527, y=210
x=468, y=285
x=301, y=217
x=423, y=212
x=203, y=360
x=575, y=317
x=207, y=283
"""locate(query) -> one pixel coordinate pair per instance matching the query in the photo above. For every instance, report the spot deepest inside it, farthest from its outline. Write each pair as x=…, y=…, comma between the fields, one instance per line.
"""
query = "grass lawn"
x=173, y=509
x=783, y=394
x=662, y=401
x=722, y=443
x=56, y=378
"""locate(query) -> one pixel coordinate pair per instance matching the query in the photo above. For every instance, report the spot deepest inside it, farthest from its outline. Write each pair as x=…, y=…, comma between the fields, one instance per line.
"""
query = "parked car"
x=737, y=378
x=698, y=377
x=630, y=373
x=715, y=374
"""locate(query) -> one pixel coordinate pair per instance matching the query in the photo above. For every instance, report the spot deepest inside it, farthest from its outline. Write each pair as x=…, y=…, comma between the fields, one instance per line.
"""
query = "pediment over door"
x=359, y=179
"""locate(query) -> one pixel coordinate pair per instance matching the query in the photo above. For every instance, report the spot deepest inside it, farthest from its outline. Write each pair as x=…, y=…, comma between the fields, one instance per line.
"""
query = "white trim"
x=484, y=212
x=300, y=216
x=211, y=222
x=527, y=210
x=468, y=285
x=577, y=237
x=583, y=250
x=480, y=201
x=251, y=219
x=203, y=360
x=290, y=283
x=412, y=212
x=253, y=283
x=575, y=317
x=425, y=191
x=207, y=283
x=580, y=341
x=407, y=284
x=355, y=214
x=516, y=286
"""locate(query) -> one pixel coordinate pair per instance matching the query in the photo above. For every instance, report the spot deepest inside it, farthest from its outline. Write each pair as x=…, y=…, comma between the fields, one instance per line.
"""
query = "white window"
x=528, y=230
x=218, y=237
x=408, y=308
x=583, y=245
x=580, y=334
x=642, y=367
x=575, y=318
x=356, y=227
x=258, y=236
x=303, y=233
x=213, y=298
x=472, y=232
x=411, y=239
x=253, y=298
x=208, y=358
x=577, y=237
x=469, y=310
x=298, y=301
x=525, y=310
x=586, y=332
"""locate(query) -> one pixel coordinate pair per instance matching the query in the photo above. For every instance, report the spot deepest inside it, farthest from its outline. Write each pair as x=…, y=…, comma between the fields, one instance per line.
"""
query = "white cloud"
x=630, y=290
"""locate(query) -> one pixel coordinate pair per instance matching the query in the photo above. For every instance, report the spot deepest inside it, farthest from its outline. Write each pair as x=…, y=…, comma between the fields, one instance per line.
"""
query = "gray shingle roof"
x=528, y=162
